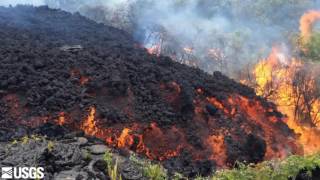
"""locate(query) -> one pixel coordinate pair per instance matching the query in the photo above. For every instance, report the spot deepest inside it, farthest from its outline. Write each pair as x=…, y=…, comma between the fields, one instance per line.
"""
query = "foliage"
x=24, y=139
x=154, y=172
x=136, y=160
x=267, y=170
x=271, y=170
x=177, y=176
x=107, y=157
x=112, y=169
x=311, y=49
x=50, y=146
x=113, y=172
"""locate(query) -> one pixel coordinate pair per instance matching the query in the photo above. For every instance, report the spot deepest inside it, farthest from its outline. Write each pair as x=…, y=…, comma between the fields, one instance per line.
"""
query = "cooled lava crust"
x=54, y=63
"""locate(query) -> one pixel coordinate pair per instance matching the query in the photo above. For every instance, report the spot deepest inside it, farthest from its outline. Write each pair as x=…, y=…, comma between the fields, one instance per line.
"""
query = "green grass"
x=50, y=146
x=154, y=172
x=112, y=169
x=271, y=170
x=267, y=170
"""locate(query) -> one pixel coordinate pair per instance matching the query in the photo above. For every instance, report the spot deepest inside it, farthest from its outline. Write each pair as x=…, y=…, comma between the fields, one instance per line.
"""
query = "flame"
x=141, y=139
x=125, y=138
x=89, y=125
x=306, y=24
x=276, y=79
x=61, y=119
x=155, y=49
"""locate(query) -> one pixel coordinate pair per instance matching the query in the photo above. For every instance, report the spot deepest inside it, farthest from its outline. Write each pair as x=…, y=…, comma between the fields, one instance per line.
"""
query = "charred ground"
x=203, y=120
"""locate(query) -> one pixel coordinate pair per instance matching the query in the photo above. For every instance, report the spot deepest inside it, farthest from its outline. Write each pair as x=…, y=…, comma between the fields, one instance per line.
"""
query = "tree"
x=311, y=49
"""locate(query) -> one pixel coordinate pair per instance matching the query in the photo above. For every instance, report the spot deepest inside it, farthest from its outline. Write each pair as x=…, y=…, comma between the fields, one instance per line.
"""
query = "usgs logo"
x=22, y=172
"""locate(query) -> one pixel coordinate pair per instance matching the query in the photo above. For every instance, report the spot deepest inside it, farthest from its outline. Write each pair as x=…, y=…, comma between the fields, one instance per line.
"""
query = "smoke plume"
x=224, y=35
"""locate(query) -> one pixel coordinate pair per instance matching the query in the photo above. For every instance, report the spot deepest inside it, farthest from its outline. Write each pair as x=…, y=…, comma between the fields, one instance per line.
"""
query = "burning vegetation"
x=292, y=83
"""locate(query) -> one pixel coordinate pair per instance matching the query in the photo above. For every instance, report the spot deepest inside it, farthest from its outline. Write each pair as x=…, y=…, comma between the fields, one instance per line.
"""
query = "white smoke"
x=241, y=32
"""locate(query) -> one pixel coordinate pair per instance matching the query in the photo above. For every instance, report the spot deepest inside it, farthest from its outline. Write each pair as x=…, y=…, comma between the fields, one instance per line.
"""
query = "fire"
x=61, y=119
x=276, y=69
x=277, y=78
x=89, y=125
x=141, y=139
x=125, y=138
x=306, y=24
x=155, y=49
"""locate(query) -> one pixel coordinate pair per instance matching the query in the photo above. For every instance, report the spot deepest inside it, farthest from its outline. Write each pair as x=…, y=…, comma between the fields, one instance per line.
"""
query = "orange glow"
x=61, y=119
x=306, y=24
x=83, y=80
x=141, y=139
x=155, y=50
x=125, y=138
x=275, y=79
x=218, y=149
x=89, y=125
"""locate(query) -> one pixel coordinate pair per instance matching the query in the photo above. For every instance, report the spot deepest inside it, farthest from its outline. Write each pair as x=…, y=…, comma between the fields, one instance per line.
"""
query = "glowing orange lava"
x=218, y=149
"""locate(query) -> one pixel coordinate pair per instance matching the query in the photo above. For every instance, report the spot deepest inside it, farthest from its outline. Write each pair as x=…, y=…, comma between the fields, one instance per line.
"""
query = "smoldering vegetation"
x=224, y=35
